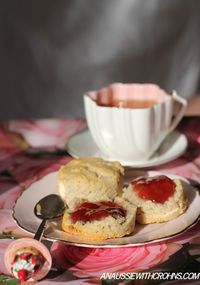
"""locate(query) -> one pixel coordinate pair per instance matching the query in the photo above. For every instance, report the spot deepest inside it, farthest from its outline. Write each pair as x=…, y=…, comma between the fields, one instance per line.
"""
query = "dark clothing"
x=51, y=52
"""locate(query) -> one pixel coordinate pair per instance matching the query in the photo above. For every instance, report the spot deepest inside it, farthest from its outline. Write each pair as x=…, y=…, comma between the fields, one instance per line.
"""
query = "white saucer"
x=83, y=145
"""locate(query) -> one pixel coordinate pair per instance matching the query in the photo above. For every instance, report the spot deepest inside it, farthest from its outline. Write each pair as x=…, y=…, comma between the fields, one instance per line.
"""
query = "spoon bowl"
x=49, y=207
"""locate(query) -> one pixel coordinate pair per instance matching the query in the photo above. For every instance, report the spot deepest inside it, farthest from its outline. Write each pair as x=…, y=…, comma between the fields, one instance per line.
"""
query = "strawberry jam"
x=157, y=189
x=26, y=263
x=88, y=212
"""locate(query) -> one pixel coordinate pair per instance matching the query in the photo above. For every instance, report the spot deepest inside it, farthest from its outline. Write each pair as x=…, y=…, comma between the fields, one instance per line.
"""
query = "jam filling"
x=157, y=189
x=88, y=212
x=26, y=263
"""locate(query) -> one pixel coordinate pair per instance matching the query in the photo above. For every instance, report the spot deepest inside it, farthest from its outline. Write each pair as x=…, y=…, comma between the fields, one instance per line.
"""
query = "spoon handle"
x=40, y=230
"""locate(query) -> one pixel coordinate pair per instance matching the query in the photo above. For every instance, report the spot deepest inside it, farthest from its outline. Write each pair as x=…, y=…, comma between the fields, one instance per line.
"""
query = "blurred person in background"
x=52, y=52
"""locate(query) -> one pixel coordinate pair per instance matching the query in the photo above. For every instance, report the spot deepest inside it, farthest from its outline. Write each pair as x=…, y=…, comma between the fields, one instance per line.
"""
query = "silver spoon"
x=49, y=207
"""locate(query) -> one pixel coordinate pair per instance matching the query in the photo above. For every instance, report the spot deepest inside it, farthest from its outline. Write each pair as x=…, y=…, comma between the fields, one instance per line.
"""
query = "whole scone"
x=100, y=220
x=92, y=179
x=158, y=199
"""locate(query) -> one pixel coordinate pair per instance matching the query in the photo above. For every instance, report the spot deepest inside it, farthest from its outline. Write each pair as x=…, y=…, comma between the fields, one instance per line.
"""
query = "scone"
x=100, y=220
x=158, y=199
x=92, y=179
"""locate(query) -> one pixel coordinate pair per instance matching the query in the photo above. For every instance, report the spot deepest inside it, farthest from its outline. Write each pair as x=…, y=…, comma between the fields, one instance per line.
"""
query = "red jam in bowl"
x=88, y=212
x=157, y=189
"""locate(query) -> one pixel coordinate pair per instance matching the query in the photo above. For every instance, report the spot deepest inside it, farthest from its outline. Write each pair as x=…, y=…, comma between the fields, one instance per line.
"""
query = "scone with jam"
x=100, y=220
x=158, y=199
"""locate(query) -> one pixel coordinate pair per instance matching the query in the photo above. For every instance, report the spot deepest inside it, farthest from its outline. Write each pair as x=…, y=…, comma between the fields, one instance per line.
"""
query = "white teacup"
x=128, y=122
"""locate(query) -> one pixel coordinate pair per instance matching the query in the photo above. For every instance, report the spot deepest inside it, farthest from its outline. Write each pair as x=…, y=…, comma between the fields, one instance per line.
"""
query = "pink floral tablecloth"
x=31, y=149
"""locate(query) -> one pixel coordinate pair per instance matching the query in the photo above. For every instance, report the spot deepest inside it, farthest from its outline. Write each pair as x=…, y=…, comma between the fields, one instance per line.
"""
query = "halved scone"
x=100, y=220
x=158, y=199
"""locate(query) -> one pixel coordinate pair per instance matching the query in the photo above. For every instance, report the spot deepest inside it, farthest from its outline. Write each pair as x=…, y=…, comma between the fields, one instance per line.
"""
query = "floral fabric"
x=29, y=150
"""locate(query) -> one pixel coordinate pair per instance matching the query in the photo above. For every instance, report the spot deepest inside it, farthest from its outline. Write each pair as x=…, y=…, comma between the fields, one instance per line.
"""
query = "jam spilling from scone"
x=157, y=189
x=88, y=212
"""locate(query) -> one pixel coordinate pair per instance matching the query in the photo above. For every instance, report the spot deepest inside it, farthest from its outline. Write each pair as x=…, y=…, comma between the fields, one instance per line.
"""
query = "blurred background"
x=52, y=52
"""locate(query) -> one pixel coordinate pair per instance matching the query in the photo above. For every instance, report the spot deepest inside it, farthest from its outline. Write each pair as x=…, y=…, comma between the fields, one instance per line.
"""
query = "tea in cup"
x=128, y=122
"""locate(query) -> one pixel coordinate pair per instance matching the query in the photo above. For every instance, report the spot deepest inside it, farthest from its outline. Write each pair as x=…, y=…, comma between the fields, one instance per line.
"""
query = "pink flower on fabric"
x=10, y=191
x=3, y=245
x=93, y=262
x=59, y=281
x=10, y=145
x=6, y=183
x=8, y=198
x=26, y=169
x=47, y=132
x=182, y=168
x=8, y=225
x=10, y=140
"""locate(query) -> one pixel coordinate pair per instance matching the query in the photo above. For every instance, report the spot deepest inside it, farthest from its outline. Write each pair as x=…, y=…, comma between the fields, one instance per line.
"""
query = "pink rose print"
x=3, y=245
x=26, y=169
x=8, y=198
x=6, y=183
x=92, y=262
x=60, y=282
x=10, y=141
x=8, y=225
x=183, y=168
x=194, y=250
x=10, y=145
x=49, y=132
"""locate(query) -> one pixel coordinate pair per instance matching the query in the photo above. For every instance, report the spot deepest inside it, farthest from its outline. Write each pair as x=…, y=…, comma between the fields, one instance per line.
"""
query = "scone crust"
x=92, y=179
x=149, y=212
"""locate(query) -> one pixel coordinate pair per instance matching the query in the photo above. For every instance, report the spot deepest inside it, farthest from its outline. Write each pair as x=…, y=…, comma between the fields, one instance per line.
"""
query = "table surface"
x=29, y=150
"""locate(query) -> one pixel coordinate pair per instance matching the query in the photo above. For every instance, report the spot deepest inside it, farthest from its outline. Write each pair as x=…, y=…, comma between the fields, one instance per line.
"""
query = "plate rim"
x=153, y=241
x=139, y=165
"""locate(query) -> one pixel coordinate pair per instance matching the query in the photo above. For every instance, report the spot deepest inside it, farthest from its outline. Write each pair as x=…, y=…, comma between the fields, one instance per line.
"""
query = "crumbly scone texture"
x=92, y=179
x=108, y=227
x=151, y=212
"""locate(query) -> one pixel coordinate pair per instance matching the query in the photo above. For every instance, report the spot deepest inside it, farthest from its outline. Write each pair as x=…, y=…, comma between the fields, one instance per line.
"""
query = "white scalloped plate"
x=143, y=234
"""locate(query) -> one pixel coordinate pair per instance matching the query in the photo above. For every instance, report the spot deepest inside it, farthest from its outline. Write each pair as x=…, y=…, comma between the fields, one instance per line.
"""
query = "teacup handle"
x=181, y=112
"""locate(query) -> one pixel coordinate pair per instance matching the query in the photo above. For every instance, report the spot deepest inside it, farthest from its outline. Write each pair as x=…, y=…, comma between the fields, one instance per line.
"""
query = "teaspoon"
x=49, y=207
